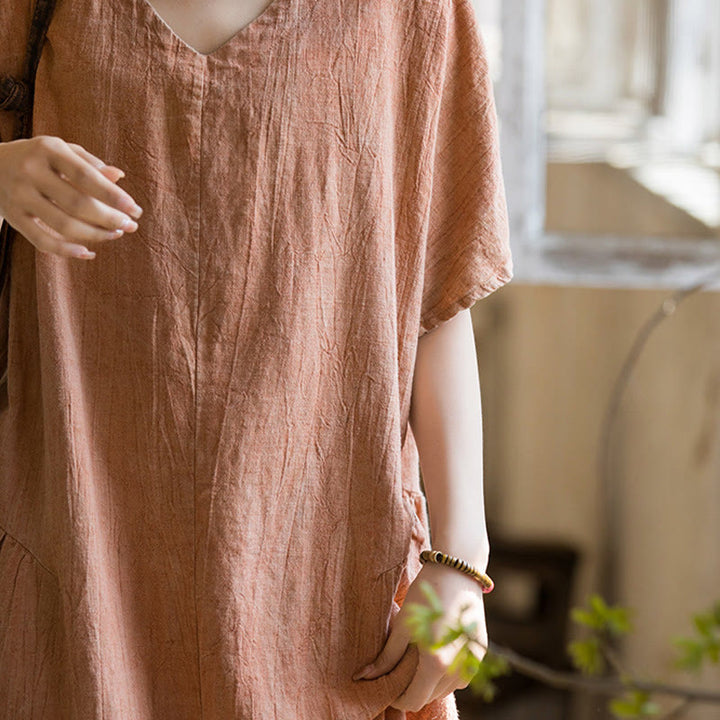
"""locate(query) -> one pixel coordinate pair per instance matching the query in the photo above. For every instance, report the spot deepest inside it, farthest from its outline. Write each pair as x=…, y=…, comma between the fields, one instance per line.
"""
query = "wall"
x=549, y=357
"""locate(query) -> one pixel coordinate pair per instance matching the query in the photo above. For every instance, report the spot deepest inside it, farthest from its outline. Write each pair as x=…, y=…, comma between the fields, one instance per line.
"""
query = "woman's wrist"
x=448, y=582
x=438, y=557
x=474, y=549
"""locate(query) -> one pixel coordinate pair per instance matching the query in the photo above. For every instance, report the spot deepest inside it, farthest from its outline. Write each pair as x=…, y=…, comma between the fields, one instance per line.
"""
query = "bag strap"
x=16, y=94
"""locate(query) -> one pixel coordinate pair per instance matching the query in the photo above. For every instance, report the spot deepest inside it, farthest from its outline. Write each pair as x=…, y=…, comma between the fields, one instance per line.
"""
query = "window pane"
x=488, y=16
x=633, y=117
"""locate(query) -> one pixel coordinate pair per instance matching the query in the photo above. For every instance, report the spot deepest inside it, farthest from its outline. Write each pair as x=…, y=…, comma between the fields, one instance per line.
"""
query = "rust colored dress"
x=210, y=505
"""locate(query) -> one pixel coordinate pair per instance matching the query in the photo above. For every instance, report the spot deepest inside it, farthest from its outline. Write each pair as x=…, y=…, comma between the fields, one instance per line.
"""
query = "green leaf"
x=429, y=591
x=451, y=634
x=492, y=666
x=705, y=646
x=602, y=617
x=588, y=619
x=487, y=689
x=716, y=613
x=497, y=665
x=586, y=655
x=419, y=621
x=704, y=624
x=598, y=605
x=634, y=704
x=623, y=709
x=618, y=620
x=464, y=662
x=691, y=656
x=713, y=652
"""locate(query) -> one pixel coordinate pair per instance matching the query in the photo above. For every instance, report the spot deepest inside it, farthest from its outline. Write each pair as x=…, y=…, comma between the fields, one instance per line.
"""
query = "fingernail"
x=131, y=207
x=128, y=224
x=85, y=254
x=360, y=674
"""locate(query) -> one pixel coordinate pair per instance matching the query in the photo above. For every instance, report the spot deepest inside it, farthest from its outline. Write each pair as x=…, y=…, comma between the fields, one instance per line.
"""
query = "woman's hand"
x=432, y=678
x=57, y=195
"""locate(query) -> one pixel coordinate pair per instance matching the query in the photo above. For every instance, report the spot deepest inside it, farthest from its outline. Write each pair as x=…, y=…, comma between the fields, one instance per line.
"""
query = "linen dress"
x=210, y=499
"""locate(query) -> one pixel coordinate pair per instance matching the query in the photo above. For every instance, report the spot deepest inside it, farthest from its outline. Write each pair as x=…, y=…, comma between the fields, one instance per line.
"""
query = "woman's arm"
x=446, y=420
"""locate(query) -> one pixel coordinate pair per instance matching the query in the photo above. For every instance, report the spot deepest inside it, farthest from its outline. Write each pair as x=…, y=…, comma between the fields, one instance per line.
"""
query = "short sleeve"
x=467, y=248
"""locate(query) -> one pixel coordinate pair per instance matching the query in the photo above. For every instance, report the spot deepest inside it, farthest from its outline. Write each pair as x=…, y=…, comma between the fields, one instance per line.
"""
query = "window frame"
x=541, y=257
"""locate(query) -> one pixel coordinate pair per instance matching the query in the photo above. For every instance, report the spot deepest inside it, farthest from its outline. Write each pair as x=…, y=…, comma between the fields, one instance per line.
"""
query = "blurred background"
x=610, y=131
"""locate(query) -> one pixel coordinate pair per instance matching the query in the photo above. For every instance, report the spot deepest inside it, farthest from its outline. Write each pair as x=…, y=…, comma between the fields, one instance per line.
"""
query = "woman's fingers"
x=428, y=675
x=433, y=678
x=85, y=217
x=448, y=684
x=421, y=690
x=94, y=160
x=110, y=171
x=87, y=178
x=390, y=655
x=47, y=240
x=60, y=196
x=67, y=226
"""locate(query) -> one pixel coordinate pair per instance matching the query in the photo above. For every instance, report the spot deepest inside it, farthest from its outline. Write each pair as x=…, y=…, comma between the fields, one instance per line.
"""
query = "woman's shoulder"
x=436, y=13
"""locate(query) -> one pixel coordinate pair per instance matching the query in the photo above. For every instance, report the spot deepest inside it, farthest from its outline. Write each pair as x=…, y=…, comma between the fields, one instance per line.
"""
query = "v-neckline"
x=268, y=16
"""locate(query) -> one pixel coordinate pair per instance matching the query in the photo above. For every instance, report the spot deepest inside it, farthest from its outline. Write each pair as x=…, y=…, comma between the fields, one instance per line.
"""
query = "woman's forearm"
x=446, y=421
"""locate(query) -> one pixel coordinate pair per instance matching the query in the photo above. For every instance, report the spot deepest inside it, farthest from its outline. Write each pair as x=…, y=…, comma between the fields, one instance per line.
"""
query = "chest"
x=205, y=25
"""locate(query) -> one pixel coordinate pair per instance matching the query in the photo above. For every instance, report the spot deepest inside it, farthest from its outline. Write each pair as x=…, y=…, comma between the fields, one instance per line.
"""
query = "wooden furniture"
x=528, y=611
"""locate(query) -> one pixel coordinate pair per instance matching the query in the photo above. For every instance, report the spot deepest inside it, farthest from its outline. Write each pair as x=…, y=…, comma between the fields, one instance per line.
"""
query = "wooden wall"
x=548, y=358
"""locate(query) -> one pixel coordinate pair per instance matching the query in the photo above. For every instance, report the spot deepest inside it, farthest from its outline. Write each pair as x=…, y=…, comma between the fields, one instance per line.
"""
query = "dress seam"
x=27, y=551
x=195, y=382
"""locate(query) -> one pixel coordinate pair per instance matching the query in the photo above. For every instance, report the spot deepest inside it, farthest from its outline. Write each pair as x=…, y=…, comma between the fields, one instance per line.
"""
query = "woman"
x=210, y=500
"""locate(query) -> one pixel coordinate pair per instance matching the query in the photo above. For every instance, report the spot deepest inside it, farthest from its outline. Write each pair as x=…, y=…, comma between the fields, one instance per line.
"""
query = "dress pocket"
x=414, y=535
x=417, y=507
x=29, y=634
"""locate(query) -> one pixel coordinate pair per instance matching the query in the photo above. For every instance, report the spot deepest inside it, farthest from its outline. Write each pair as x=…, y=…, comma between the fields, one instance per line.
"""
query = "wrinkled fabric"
x=210, y=503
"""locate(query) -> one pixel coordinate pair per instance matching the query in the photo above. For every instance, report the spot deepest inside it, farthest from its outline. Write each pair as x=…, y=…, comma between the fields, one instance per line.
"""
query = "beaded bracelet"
x=441, y=558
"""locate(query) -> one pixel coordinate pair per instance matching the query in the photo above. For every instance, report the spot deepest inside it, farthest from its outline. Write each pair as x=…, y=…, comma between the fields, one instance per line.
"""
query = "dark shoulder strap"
x=16, y=93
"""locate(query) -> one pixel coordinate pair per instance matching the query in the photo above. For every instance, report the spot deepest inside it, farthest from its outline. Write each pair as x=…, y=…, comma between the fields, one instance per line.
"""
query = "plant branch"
x=608, y=481
x=679, y=710
x=614, y=660
x=569, y=680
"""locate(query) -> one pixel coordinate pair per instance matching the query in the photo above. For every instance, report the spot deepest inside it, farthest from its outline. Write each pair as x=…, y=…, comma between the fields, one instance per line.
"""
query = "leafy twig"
x=574, y=681
x=632, y=697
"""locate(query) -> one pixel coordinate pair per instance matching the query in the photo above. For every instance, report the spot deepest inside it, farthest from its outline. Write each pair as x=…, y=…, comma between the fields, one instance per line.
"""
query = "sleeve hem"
x=444, y=311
